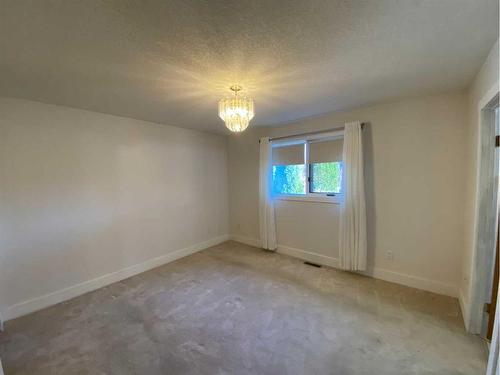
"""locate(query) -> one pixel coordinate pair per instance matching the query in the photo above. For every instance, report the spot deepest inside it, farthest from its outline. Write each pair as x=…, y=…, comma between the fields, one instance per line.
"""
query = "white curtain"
x=266, y=204
x=352, y=235
x=493, y=361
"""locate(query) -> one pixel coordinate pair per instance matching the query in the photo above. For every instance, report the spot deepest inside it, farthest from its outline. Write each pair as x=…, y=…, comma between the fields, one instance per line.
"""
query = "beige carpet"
x=234, y=309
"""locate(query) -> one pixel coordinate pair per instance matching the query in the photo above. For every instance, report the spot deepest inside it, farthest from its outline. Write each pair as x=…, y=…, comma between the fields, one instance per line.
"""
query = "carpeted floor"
x=234, y=309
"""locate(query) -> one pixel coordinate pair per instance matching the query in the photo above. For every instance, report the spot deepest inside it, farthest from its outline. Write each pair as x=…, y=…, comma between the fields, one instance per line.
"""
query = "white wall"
x=486, y=80
x=84, y=194
x=415, y=155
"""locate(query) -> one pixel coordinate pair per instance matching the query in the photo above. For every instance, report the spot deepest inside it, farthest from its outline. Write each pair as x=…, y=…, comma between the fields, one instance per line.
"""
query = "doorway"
x=491, y=306
x=487, y=214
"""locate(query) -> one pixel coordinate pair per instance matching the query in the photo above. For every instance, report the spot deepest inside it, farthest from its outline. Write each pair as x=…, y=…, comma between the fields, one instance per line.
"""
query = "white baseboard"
x=246, y=240
x=73, y=291
x=377, y=273
x=464, y=306
x=308, y=256
x=413, y=281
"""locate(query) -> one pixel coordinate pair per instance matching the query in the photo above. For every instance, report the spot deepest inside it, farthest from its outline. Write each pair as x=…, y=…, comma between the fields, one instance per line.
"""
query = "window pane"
x=289, y=179
x=326, y=177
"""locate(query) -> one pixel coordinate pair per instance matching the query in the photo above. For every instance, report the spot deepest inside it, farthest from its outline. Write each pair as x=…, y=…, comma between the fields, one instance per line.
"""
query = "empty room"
x=253, y=187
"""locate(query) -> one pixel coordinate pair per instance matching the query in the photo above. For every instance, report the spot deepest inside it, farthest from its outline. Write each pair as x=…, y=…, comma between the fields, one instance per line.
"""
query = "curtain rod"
x=310, y=133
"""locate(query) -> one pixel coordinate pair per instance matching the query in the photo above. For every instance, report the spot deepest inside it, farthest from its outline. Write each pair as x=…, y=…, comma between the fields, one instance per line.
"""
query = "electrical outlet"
x=389, y=255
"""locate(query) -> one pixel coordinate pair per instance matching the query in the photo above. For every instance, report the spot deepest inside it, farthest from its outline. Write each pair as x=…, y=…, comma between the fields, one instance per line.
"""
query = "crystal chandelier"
x=236, y=111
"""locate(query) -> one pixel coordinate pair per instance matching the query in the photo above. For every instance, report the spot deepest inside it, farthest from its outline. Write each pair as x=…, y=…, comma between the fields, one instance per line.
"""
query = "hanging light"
x=236, y=111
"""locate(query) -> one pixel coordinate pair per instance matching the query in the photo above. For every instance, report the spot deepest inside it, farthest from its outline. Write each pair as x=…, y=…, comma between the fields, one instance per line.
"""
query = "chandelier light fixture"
x=236, y=111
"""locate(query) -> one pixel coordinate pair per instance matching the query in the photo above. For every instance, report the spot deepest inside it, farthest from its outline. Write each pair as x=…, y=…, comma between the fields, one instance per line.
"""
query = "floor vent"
x=313, y=264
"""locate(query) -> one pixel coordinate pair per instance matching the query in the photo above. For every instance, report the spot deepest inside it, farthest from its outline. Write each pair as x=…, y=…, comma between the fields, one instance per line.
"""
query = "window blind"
x=288, y=155
x=326, y=151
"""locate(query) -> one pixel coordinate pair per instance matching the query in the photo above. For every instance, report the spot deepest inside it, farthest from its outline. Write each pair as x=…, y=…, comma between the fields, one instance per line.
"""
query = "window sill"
x=309, y=198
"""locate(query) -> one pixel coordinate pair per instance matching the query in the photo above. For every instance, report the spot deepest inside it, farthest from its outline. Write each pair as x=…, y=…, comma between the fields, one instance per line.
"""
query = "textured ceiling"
x=170, y=61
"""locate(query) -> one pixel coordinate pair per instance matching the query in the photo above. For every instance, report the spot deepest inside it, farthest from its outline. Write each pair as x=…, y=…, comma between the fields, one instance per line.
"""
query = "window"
x=289, y=179
x=308, y=169
x=326, y=177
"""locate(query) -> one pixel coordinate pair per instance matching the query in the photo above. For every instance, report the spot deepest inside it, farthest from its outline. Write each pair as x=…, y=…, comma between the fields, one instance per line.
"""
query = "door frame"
x=486, y=213
x=492, y=307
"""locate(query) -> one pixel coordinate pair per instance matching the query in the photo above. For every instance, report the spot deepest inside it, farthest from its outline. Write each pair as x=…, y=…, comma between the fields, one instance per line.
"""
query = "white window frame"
x=308, y=196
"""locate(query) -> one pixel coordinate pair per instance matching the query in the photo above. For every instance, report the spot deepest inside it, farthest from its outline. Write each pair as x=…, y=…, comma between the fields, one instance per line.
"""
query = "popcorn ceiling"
x=171, y=61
